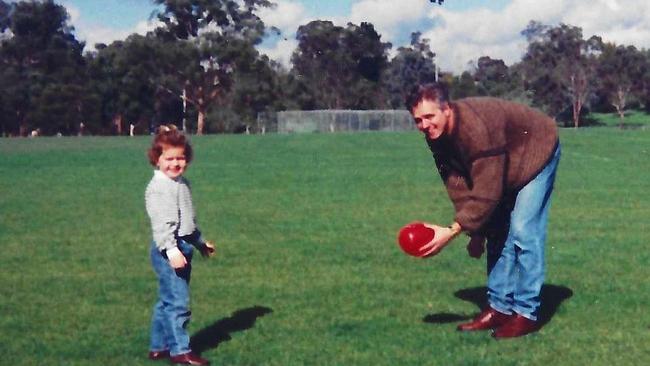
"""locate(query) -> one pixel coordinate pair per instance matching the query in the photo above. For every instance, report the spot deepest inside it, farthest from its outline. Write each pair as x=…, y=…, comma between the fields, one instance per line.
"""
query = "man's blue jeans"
x=171, y=313
x=516, y=266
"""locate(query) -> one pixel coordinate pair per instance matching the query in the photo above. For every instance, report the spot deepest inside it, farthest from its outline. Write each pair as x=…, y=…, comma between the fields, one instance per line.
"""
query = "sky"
x=460, y=31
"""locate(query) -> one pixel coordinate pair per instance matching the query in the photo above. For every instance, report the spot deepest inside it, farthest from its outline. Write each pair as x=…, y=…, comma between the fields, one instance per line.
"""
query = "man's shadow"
x=211, y=336
x=552, y=296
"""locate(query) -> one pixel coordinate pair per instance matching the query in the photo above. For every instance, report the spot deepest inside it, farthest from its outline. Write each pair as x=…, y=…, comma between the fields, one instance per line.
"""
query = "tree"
x=5, y=8
x=411, y=65
x=463, y=86
x=297, y=93
x=320, y=63
x=558, y=66
x=341, y=67
x=42, y=71
x=125, y=76
x=492, y=77
x=256, y=89
x=621, y=70
x=4, y=25
x=204, y=30
x=643, y=95
x=369, y=61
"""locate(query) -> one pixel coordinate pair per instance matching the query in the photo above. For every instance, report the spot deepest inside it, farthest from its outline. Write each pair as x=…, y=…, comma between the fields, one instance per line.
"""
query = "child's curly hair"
x=168, y=136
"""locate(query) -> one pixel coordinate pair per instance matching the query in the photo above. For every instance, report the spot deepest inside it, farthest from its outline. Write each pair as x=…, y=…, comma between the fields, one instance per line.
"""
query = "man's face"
x=431, y=118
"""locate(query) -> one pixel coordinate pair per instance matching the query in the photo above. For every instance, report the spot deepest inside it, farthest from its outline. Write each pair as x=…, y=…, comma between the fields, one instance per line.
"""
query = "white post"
x=184, y=109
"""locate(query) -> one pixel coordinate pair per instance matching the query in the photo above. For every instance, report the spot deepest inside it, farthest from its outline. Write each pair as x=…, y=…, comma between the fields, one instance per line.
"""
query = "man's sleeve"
x=475, y=200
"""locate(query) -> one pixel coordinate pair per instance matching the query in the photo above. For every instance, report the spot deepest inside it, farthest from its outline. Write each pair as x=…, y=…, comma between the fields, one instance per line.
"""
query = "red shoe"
x=188, y=358
x=517, y=327
x=158, y=355
x=487, y=319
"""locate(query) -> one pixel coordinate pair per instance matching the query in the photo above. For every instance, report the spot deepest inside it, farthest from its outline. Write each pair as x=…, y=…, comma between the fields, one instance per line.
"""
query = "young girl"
x=175, y=233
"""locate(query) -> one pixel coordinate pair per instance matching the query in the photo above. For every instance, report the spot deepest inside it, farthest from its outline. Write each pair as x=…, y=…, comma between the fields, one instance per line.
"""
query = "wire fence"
x=328, y=121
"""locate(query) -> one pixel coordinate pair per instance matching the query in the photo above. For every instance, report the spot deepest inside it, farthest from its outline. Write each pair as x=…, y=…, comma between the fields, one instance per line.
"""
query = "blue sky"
x=117, y=14
x=460, y=31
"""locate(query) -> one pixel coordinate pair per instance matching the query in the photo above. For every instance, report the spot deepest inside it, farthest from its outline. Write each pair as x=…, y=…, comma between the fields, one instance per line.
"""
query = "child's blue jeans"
x=171, y=313
x=516, y=267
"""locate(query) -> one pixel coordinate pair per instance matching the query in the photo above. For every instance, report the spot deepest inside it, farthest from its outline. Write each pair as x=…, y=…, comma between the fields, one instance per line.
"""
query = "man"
x=497, y=160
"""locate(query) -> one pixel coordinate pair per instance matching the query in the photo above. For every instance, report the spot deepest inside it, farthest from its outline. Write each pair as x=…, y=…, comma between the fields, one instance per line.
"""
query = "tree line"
x=202, y=71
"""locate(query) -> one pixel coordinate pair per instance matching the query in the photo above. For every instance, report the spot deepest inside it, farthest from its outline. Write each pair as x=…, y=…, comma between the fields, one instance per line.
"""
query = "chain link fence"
x=325, y=121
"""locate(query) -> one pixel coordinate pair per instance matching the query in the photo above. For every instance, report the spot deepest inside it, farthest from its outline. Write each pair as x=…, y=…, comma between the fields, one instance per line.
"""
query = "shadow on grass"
x=211, y=336
x=442, y=318
x=552, y=297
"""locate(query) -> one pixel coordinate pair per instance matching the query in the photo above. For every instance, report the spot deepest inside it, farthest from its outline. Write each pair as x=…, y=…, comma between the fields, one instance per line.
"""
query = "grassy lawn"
x=632, y=119
x=308, y=271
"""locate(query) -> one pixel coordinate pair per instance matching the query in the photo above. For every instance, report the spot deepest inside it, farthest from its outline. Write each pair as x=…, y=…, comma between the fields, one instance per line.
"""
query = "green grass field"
x=633, y=119
x=308, y=271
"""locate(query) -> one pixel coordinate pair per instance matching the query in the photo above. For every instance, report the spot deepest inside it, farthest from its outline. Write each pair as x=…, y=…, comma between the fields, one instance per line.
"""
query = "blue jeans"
x=516, y=265
x=171, y=313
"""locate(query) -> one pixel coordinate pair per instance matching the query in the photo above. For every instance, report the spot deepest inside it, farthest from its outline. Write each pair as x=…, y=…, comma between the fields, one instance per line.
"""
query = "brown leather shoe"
x=487, y=319
x=188, y=358
x=516, y=327
x=158, y=355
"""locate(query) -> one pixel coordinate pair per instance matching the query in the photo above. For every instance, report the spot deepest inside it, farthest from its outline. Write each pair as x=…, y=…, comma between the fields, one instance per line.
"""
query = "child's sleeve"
x=207, y=250
x=195, y=239
x=163, y=212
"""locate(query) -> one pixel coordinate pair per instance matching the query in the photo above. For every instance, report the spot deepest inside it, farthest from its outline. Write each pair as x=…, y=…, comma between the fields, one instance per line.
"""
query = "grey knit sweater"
x=169, y=205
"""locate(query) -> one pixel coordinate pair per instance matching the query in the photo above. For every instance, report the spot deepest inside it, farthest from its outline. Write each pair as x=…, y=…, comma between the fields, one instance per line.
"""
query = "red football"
x=413, y=236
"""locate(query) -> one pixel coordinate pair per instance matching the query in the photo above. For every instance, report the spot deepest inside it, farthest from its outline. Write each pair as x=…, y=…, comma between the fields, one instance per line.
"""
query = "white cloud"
x=457, y=36
x=93, y=33
x=286, y=15
x=388, y=16
x=461, y=37
x=73, y=12
x=612, y=4
x=145, y=26
x=622, y=22
x=281, y=51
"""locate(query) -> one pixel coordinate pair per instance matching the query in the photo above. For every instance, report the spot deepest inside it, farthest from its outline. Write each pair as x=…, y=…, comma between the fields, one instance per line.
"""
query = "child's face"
x=172, y=161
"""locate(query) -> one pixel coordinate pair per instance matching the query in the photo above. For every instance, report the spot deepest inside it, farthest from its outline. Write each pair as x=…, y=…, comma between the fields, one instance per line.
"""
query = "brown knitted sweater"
x=495, y=148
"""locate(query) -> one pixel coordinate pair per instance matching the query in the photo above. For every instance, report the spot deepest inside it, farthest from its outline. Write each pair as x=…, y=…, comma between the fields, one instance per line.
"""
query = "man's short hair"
x=436, y=92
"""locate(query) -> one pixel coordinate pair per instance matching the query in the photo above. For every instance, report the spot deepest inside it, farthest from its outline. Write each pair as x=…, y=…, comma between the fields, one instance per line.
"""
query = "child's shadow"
x=211, y=336
x=552, y=296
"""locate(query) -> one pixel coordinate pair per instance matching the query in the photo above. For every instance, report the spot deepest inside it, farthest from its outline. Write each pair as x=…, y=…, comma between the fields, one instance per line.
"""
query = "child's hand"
x=208, y=249
x=176, y=258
